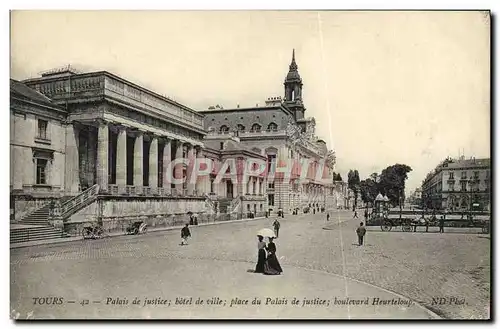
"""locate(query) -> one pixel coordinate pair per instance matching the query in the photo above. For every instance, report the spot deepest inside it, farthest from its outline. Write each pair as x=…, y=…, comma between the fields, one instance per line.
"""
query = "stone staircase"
x=36, y=225
x=24, y=233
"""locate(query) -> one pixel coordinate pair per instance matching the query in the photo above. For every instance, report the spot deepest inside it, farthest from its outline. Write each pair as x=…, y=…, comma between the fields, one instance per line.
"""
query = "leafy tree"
x=353, y=184
x=392, y=182
x=368, y=189
x=336, y=177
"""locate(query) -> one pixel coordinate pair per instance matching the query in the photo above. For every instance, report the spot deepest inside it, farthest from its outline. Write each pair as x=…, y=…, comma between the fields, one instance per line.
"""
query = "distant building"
x=279, y=131
x=459, y=184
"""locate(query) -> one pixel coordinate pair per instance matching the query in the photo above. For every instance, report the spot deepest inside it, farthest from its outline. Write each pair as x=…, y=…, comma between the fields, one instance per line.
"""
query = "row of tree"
x=391, y=182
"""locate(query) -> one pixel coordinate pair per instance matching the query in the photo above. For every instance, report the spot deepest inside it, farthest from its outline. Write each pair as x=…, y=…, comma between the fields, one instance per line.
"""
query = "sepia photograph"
x=250, y=165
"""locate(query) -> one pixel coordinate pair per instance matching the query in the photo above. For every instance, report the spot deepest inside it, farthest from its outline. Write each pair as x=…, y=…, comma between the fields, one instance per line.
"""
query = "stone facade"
x=279, y=131
x=458, y=185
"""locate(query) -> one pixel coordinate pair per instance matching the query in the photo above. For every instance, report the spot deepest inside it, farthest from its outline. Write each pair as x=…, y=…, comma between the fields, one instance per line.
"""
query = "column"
x=199, y=180
x=138, y=161
x=72, y=165
x=189, y=172
x=121, y=159
x=153, y=165
x=102, y=155
x=167, y=158
x=178, y=167
x=257, y=185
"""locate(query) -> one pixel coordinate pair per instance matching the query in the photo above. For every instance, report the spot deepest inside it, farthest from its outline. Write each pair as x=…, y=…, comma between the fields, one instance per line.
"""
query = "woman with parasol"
x=271, y=264
x=261, y=260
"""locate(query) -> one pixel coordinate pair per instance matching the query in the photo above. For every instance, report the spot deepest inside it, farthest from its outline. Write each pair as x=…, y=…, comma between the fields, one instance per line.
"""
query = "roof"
x=229, y=145
x=20, y=90
x=468, y=163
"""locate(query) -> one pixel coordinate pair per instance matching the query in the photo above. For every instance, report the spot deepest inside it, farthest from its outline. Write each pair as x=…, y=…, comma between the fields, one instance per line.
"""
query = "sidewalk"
x=115, y=234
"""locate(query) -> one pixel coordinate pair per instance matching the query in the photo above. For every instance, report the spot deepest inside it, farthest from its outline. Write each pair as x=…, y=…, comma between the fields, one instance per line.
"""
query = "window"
x=271, y=199
x=212, y=184
x=271, y=185
x=41, y=171
x=241, y=128
x=255, y=127
x=224, y=129
x=272, y=127
x=451, y=187
x=464, y=175
x=271, y=158
x=42, y=129
x=464, y=186
x=451, y=175
x=476, y=174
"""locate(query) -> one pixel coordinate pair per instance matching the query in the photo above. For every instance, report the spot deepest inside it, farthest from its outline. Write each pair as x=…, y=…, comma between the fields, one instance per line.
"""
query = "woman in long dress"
x=272, y=265
x=261, y=260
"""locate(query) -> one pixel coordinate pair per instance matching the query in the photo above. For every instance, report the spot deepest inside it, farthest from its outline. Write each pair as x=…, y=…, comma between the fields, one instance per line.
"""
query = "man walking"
x=185, y=234
x=327, y=217
x=355, y=214
x=361, y=231
x=276, y=226
x=441, y=224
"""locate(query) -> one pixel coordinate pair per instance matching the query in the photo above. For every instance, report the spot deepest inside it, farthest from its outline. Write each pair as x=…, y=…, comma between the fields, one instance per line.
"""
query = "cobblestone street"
x=320, y=260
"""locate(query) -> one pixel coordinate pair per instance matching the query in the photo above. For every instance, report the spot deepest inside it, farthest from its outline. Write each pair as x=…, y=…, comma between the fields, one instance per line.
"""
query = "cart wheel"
x=486, y=229
x=386, y=227
x=86, y=234
x=406, y=228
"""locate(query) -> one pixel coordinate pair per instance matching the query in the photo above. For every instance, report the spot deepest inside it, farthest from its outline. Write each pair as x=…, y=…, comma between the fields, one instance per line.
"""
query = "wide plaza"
x=420, y=275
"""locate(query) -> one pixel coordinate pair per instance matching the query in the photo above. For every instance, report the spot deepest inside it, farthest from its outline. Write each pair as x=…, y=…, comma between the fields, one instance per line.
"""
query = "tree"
x=392, y=182
x=368, y=189
x=336, y=177
x=353, y=184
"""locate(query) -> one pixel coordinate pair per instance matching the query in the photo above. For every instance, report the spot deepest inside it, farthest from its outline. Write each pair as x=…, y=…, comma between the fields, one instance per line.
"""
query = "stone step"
x=35, y=233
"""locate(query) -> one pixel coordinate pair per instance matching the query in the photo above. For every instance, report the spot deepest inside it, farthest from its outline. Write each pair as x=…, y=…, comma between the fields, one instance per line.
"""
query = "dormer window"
x=272, y=127
x=255, y=127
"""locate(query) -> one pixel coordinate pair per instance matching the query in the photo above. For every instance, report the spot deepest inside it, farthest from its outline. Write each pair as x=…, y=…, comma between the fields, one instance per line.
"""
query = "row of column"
x=255, y=189
x=138, y=178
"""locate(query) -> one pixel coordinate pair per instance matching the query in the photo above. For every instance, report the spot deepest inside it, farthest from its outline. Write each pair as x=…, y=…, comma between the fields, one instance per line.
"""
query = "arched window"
x=224, y=129
x=240, y=127
x=272, y=127
x=255, y=127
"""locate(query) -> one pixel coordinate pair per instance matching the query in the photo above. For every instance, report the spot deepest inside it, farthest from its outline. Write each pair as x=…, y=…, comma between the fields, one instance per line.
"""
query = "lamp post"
x=471, y=184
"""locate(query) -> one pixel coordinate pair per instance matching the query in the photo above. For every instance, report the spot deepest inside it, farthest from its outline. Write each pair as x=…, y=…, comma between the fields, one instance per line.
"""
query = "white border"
x=186, y=5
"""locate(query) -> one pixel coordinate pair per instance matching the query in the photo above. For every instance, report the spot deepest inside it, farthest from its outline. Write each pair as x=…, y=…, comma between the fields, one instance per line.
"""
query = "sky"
x=384, y=87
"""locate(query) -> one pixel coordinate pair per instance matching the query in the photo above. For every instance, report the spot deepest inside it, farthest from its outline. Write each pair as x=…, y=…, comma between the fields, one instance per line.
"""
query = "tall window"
x=41, y=171
x=42, y=129
x=464, y=186
x=212, y=184
x=476, y=174
x=451, y=175
x=271, y=199
x=272, y=127
x=464, y=175
x=271, y=185
x=271, y=158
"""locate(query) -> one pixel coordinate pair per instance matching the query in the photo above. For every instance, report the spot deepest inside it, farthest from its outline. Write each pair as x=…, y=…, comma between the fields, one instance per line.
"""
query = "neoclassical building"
x=279, y=130
x=101, y=146
x=459, y=185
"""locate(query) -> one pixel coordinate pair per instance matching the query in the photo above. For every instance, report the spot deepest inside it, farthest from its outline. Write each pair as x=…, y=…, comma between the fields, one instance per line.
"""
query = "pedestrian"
x=441, y=224
x=185, y=234
x=272, y=265
x=366, y=214
x=314, y=211
x=361, y=231
x=327, y=217
x=261, y=255
x=355, y=214
x=276, y=226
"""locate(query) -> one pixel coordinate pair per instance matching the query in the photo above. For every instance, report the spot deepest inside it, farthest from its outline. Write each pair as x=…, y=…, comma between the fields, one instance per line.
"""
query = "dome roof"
x=386, y=199
x=379, y=197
